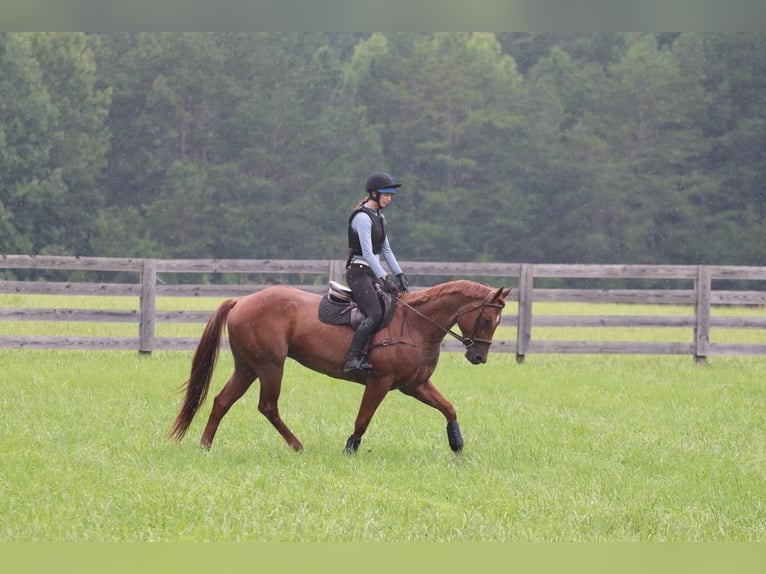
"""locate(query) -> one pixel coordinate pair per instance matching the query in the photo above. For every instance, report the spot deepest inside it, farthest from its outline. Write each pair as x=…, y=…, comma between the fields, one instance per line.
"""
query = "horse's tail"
x=203, y=364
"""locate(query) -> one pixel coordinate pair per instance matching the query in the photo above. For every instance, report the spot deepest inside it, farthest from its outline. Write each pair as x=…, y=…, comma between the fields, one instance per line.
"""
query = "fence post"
x=702, y=287
x=148, y=305
x=524, y=326
x=337, y=270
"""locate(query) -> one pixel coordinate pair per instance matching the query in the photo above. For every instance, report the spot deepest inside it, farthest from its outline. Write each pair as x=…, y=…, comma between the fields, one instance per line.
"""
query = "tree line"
x=557, y=148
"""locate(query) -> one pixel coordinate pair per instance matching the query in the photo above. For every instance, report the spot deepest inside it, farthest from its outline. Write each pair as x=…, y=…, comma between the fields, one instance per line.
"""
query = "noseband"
x=469, y=341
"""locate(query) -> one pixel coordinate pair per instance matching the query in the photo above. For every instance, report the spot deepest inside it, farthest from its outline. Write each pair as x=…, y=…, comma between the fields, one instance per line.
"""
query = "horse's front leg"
x=374, y=392
x=427, y=393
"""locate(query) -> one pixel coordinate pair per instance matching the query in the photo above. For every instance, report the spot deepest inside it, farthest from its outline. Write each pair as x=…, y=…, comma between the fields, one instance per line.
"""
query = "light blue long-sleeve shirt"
x=362, y=225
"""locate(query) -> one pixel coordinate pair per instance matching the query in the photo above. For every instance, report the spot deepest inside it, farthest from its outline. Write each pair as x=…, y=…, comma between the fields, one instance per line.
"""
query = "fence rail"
x=698, y=287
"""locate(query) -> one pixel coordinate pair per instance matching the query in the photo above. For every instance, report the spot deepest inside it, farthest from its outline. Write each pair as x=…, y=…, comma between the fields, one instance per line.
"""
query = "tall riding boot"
x=356, y=359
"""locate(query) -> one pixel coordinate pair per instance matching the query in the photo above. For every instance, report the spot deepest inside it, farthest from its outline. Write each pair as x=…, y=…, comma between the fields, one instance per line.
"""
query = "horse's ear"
x=501, y=294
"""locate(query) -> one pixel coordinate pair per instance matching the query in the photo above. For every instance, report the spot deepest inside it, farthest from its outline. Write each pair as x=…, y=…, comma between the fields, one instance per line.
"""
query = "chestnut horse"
x=266, y=327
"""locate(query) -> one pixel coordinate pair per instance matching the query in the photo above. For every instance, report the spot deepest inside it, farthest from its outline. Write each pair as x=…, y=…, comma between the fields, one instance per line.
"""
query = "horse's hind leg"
x=239, y=382
x=427, y=393
x=268, y=404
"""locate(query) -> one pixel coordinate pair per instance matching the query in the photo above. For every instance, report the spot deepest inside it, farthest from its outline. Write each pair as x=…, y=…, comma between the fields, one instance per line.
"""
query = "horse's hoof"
x=352, y=445
x=454, y=437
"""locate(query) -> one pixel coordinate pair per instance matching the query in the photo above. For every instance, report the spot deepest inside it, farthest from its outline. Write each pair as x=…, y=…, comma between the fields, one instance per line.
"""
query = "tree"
x=647, y=119
x=560, y=174
x=528, y=48
x=731, y=195
x=596, y=147
x=26, y=114
x=53, y=142
x=79, y=139
x=445, y=104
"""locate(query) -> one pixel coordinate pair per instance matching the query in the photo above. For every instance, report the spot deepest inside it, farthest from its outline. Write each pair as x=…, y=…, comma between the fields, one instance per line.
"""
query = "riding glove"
x=403, y=283
x=388, y=285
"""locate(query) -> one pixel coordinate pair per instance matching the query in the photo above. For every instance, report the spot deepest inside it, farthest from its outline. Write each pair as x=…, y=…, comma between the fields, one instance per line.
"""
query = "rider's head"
x=380, y=183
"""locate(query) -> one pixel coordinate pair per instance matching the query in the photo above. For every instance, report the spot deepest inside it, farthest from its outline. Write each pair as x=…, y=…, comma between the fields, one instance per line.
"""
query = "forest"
x=511, y=147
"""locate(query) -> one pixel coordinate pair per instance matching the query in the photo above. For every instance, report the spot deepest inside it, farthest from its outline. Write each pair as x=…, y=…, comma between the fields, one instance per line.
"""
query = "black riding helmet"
x=380, y=180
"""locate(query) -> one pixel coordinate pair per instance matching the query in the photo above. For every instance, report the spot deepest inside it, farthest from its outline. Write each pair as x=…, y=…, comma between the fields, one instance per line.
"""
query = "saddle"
x=338, y=307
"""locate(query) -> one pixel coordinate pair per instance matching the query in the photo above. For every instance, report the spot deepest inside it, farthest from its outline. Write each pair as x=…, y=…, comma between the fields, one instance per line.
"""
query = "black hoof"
x=352, y=445
x=454, y=437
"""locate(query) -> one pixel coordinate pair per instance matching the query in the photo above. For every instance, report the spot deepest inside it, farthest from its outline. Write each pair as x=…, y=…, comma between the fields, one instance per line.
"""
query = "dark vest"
x=378, y=232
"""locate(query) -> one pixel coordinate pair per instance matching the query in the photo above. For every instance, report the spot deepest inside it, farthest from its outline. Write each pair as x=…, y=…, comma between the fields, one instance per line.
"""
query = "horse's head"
x=478, y=325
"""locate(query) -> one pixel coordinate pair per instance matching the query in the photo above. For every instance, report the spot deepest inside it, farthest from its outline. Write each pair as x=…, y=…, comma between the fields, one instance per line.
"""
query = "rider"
x=367, y=240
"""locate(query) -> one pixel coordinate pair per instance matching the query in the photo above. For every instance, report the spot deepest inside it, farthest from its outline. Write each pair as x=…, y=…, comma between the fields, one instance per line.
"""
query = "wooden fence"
x=699, y=288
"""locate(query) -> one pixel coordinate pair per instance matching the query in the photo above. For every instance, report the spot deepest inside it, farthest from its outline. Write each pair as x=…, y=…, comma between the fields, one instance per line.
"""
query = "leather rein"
x=469, y=341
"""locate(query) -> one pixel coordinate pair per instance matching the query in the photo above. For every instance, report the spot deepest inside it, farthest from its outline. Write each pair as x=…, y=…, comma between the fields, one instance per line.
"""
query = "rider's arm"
x=390, y=258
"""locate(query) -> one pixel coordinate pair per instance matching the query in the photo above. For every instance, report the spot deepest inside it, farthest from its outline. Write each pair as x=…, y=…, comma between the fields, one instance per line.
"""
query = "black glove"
x=388, y=285
x=403, y=283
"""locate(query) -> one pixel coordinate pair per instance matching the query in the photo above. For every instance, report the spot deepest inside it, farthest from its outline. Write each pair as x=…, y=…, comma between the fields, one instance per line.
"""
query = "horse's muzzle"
x=475, y=356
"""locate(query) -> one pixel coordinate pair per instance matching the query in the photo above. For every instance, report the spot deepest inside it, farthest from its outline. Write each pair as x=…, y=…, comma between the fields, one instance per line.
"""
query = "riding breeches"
x=362, y=282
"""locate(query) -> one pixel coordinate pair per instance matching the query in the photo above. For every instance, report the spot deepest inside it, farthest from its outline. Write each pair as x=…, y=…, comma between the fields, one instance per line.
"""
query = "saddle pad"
x=334, y=312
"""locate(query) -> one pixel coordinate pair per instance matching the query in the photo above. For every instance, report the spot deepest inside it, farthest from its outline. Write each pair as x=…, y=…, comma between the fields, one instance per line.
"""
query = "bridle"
x=469, y=341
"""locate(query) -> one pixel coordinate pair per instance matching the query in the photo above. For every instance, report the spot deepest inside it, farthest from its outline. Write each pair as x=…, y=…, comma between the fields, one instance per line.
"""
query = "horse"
x=268, y=326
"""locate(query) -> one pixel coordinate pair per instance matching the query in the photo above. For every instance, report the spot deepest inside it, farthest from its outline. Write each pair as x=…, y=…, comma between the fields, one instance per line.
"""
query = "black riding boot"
x=356, y=359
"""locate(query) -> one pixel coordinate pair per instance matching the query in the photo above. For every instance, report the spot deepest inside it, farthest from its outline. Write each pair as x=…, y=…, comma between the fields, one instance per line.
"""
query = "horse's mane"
x=468, y=288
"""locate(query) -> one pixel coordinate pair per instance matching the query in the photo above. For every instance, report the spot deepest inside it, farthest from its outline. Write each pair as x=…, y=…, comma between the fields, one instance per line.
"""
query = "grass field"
x=561, y=448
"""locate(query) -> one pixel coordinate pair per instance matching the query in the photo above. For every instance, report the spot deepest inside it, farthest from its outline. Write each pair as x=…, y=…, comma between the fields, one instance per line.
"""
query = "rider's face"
x=384, y=199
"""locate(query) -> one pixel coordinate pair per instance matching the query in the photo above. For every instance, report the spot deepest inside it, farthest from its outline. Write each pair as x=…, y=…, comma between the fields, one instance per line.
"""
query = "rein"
x=467, y=342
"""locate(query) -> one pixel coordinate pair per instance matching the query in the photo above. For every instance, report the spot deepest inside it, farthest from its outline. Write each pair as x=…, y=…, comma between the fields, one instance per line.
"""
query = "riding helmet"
x=381, y=180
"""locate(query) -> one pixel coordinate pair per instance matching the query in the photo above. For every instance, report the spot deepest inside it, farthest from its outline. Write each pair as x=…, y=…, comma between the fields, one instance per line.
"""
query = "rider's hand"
x=403, y=283
x=388, y=285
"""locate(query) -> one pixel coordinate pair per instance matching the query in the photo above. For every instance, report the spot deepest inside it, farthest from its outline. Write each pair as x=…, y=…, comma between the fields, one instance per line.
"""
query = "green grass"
x=575, y=448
